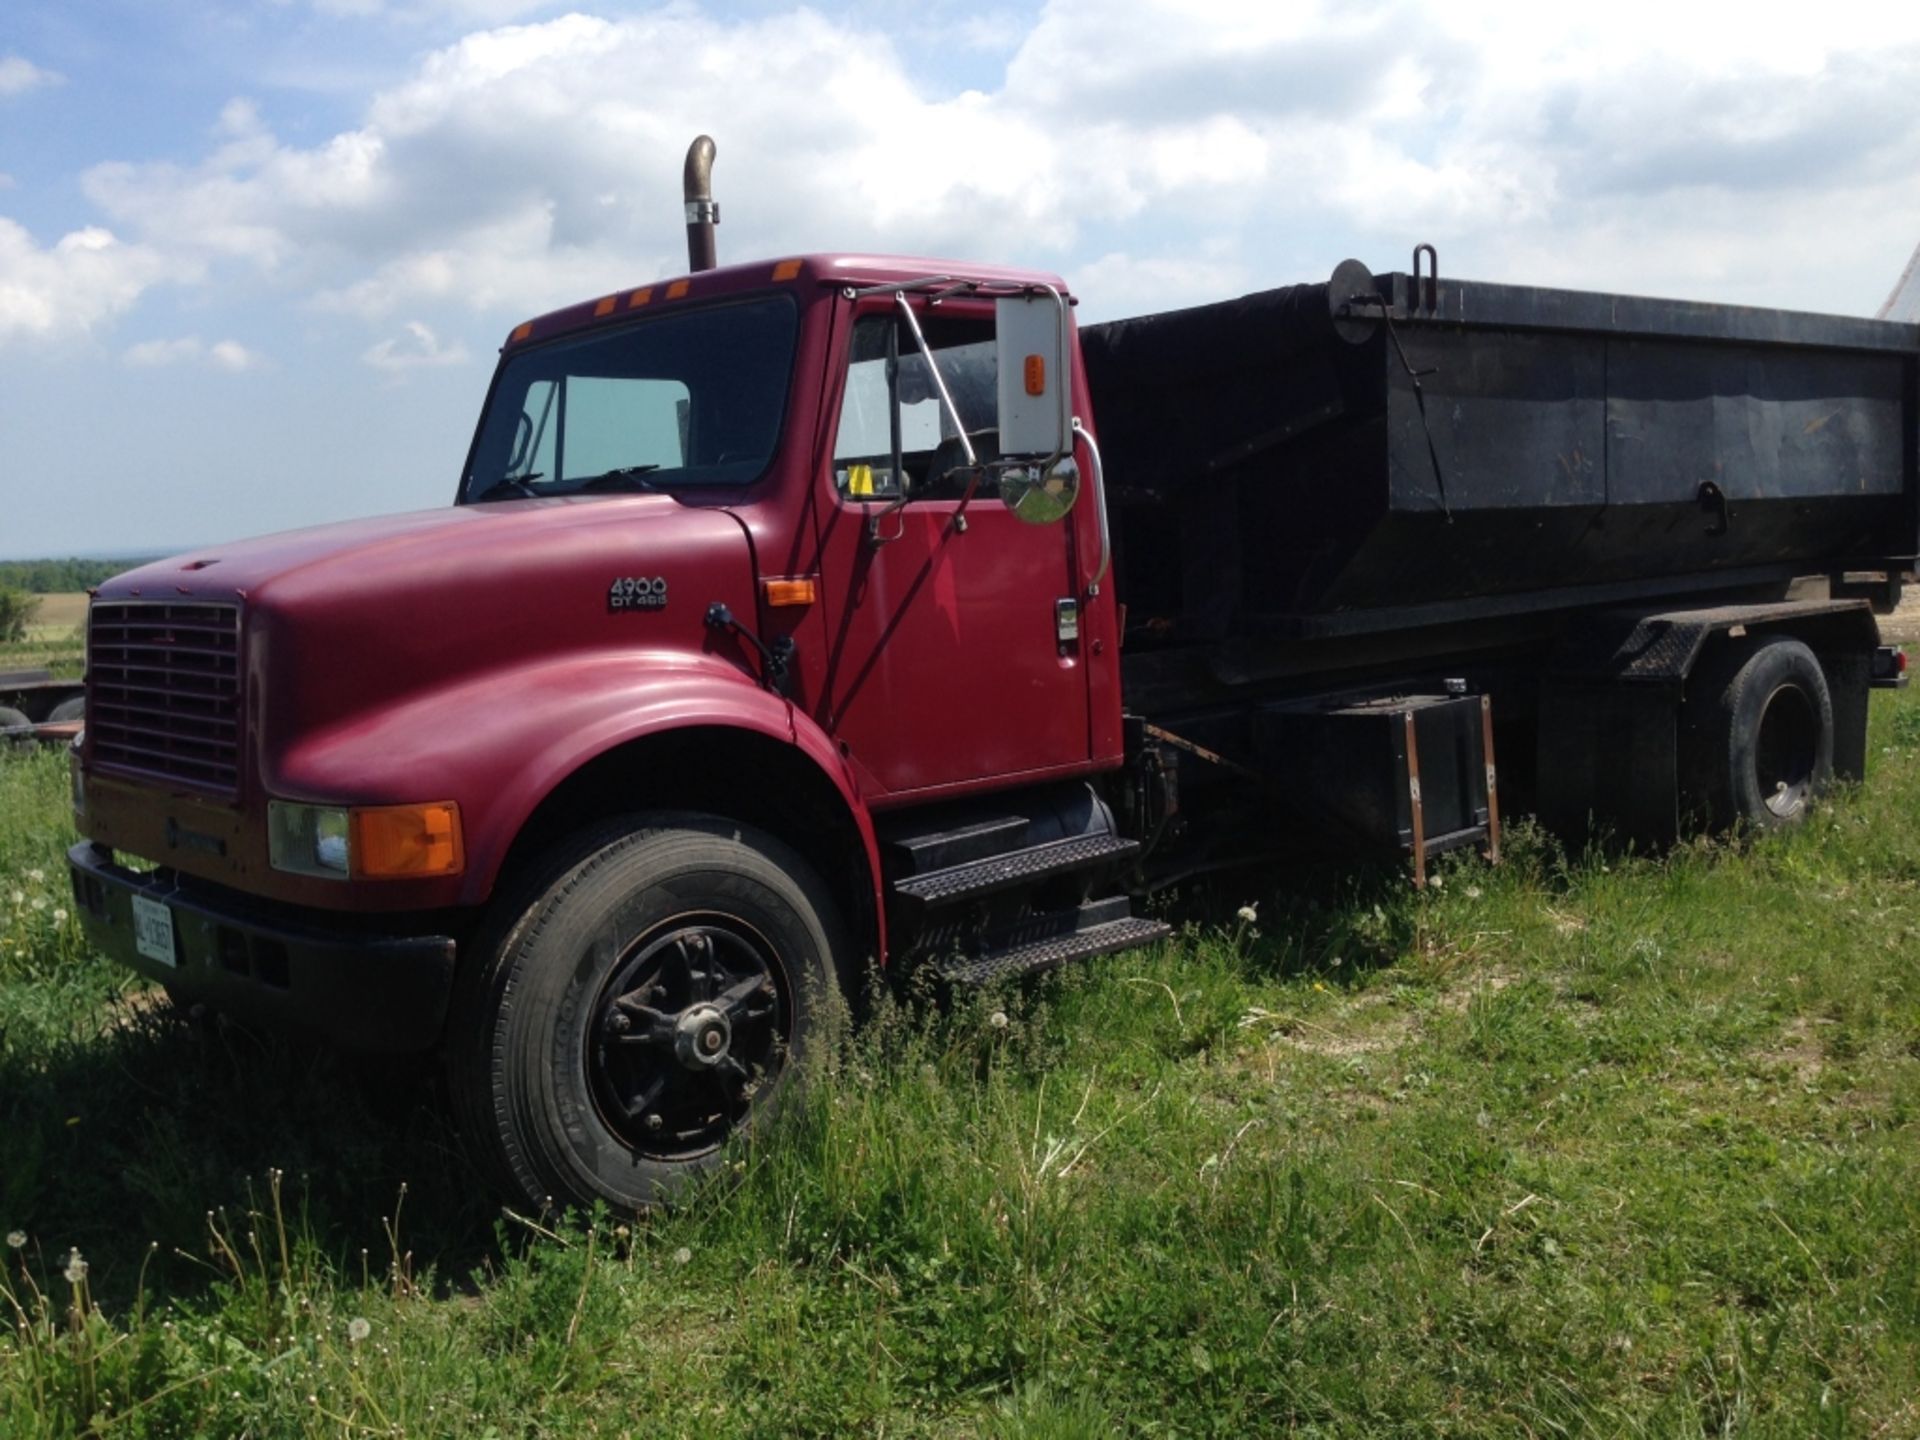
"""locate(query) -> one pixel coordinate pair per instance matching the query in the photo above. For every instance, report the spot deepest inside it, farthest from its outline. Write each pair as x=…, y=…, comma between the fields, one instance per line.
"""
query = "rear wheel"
x=1761, y=733
x=651, y=992
x=74, y=708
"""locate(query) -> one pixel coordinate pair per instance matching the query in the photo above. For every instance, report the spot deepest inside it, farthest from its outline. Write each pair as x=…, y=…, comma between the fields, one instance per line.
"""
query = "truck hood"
x=339, y=622
x=359, y=552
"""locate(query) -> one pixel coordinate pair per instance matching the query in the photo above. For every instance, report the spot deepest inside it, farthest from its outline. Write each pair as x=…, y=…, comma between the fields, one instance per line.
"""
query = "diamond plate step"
x=1003, y=872
x=1115, y=935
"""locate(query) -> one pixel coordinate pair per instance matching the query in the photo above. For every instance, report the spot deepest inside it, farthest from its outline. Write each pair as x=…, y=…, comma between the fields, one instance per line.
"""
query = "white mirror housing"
x=1036, y=416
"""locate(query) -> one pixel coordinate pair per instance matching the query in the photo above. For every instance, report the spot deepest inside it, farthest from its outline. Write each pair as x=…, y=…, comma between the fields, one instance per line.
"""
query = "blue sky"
x=256, y=258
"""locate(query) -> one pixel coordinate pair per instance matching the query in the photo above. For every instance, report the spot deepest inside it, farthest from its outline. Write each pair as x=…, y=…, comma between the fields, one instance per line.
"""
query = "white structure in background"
x=1904, y=302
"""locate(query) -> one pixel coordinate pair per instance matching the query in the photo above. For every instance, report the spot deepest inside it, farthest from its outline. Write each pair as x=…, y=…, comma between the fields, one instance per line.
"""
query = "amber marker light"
x=605, y=306
x=786, y=270
x=794, y=591
x=640, y=297
x=1036, y=374
x=407, y=841
x=677, y=289
x=520, y=333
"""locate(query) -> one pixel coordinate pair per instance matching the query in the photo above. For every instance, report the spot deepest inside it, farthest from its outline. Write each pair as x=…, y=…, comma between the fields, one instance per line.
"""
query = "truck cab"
x=760, y=558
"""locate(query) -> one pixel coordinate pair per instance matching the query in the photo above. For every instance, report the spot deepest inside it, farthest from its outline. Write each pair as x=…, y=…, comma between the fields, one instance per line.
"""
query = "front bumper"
x=270, y=963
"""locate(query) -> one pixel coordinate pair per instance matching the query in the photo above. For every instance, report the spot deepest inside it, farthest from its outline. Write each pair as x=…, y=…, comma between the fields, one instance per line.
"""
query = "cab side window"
x=932, y=458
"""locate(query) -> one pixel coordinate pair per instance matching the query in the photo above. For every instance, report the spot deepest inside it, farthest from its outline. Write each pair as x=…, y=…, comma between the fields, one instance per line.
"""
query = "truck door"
x=944, y=665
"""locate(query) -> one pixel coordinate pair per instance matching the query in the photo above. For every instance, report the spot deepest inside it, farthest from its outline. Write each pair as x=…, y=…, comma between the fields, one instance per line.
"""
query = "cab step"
x=1100, y=927
x=995, y=873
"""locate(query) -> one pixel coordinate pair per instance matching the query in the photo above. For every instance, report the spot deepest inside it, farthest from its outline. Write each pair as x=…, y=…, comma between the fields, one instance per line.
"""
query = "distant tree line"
x=57, y=577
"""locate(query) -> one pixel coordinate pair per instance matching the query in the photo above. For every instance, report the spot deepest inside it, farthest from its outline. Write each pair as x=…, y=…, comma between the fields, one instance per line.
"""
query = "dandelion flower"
x=358, y=1329
x=36, y=876
x=59, y=917
x=998, y=1020
x=16, y=1239
x=1249, y=913
x=39, y=902
x=76, y=1270
x=682, y=1255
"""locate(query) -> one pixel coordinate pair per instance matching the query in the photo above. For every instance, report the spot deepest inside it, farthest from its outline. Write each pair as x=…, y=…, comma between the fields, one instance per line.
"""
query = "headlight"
x=365, y=842
x=308, y=840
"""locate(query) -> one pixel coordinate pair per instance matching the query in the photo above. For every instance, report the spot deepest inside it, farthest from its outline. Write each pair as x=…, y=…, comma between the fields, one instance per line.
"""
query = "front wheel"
x=652, y=990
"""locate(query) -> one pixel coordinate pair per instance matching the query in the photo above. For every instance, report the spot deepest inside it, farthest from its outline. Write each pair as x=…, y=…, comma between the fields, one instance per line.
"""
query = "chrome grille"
x=163, y=690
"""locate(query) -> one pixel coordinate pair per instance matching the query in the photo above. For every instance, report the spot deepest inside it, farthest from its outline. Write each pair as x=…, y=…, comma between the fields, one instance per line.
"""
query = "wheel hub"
x=691, y=1024
x=701, y=1036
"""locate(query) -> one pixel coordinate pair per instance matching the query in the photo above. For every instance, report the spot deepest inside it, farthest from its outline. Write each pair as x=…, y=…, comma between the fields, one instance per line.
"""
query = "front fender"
x=499, y=744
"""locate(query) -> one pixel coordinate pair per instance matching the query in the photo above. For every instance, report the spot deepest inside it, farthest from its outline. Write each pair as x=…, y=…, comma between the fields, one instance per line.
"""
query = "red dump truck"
x=842, y=611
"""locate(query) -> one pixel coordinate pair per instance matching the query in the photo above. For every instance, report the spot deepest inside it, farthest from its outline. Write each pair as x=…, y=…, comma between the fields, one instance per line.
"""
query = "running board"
x=1020, y=867
x=1128, y=933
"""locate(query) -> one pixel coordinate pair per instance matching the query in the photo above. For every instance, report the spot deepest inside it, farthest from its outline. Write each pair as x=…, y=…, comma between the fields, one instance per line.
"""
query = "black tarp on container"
x=1269, y=474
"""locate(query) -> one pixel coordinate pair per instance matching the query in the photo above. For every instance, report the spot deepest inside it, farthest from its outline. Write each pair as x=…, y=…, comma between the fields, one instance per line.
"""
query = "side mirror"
x=1039, y=494
x=1036, y=415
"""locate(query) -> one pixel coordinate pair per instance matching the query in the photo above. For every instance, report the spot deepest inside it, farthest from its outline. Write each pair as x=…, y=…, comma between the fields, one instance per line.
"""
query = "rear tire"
x=648, y=992
x=74, y=708
x=1760, y=730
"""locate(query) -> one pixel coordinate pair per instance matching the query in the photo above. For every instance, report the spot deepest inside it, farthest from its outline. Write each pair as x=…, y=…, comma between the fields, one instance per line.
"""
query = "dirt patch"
x=1797, y=1049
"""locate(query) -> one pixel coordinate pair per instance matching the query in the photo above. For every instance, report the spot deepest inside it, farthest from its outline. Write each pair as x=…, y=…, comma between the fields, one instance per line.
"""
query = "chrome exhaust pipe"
x=696, y=186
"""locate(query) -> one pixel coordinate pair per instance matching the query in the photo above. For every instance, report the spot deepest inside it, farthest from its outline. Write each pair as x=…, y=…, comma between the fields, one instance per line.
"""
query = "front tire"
x=653, y=989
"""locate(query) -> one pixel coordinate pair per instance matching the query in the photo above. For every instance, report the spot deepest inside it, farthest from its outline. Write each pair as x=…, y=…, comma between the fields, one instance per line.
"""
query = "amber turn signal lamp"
x=407, y=841
x=801, y=591
x=786, y=270
x=1036, y=374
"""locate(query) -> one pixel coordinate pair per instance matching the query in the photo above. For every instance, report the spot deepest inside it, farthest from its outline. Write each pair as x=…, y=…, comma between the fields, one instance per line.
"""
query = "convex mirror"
x=1040, y=495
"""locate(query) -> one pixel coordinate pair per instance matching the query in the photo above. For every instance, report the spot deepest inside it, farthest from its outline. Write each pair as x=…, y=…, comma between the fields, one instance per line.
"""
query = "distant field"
x=59, y=613
x=53, y=639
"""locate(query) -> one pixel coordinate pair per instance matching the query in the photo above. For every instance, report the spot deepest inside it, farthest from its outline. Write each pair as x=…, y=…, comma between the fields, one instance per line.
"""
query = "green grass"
x=1592, y=1147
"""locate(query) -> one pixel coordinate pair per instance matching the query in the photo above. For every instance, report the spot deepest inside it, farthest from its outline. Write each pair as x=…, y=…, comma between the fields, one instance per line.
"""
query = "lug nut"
x=653, y=1122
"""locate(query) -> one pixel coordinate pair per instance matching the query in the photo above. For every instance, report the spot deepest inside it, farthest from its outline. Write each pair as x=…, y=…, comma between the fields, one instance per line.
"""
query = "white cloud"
x=189, y=350
x=1703, y=148
x=417, y=349
x=68, y=288
x=19, y=75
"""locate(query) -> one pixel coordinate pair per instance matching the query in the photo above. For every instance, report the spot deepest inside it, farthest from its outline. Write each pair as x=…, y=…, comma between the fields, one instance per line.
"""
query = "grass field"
x=1593, y=1147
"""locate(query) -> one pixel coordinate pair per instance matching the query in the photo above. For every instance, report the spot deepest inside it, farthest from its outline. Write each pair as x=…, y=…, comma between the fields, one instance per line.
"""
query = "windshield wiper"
x=513, y=485
x=607, y=479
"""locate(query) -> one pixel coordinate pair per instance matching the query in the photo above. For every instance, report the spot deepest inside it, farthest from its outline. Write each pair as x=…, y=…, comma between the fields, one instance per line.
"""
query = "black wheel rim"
x=1786, y=750
x=691, y=1027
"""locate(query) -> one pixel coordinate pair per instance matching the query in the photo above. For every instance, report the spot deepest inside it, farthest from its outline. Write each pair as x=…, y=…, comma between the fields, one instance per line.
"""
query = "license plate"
x=153, y=930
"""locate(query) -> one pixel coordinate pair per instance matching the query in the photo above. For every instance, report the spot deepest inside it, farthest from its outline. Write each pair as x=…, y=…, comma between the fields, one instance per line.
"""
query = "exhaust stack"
x=702, y=213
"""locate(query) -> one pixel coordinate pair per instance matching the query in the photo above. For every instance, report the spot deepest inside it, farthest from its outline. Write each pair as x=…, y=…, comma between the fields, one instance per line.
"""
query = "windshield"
x=682, y=399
